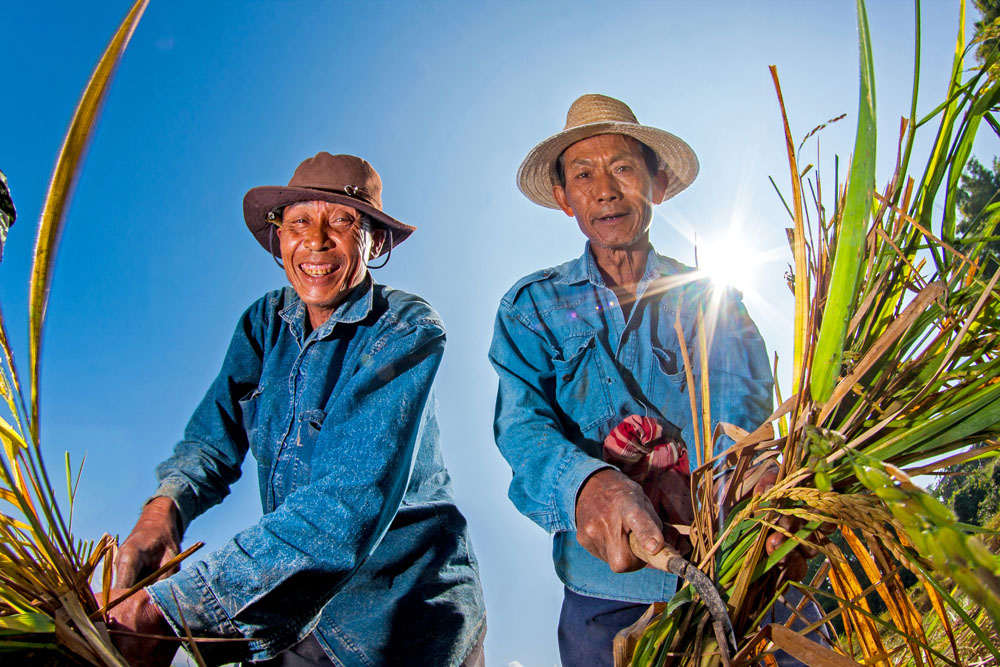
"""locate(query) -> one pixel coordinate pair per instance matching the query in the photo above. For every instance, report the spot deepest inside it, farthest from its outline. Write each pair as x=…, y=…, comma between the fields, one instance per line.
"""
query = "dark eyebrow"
x=614, y=158
x=623, y=156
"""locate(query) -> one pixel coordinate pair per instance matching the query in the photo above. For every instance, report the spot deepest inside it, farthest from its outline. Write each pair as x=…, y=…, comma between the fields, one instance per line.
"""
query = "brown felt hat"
x=589, y=116
x=341, y=179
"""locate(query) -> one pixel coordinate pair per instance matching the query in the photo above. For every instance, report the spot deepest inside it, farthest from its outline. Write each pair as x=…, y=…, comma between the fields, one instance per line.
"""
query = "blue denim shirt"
x=572, y=365
x=361, y=541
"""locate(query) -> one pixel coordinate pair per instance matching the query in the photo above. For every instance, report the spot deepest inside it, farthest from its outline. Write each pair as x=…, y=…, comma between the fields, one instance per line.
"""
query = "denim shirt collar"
x=585, y=268
x=354, y=308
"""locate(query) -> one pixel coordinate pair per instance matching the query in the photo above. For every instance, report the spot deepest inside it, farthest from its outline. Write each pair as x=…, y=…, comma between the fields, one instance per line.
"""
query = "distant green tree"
x=979, y=187
x=972, y=490
x=989, y=11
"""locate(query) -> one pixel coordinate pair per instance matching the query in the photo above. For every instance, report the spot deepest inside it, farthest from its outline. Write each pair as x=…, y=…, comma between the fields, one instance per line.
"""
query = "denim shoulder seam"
x=534, y=277
x=395, y=326
x=514, y=312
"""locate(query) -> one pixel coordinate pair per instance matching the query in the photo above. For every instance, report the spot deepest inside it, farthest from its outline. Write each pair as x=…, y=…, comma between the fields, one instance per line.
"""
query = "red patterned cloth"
x=658, y=465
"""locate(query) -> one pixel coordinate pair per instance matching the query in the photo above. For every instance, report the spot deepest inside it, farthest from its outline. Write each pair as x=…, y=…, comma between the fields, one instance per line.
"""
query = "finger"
x=620, y=556
x=774, y=541
x=127, y=568
x=647, y=530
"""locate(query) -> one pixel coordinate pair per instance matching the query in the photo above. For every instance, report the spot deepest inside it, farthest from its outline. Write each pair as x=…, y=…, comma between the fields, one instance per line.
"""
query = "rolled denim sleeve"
x=270, y=582
x=548, y=469
x=208, y=460
x=740, y=378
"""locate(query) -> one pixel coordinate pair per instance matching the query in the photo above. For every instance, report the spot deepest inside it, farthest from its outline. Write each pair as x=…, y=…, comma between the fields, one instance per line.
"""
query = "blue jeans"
x=587, y=627
x=308, y=653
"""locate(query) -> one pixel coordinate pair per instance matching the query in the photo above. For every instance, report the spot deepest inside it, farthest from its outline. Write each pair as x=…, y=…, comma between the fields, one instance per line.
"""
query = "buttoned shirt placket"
x=622, y=330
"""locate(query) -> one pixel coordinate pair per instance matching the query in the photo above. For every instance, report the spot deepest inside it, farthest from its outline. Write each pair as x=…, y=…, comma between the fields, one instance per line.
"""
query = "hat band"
x=351, y=191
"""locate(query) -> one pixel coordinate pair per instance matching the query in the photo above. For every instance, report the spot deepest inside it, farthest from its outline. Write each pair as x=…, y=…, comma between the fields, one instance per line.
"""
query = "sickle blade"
x=669, y=560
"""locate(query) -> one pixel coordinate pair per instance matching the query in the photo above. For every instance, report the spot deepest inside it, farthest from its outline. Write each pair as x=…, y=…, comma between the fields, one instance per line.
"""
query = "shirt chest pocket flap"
x=582, y=382
x=249, y=409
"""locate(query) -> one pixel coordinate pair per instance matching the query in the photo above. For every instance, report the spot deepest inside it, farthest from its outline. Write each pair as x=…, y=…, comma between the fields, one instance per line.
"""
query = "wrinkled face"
x=610, y=191
x=324, y=248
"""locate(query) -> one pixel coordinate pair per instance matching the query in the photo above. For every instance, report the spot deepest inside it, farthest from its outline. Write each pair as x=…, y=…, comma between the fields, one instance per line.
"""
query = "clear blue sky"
x=445, y=99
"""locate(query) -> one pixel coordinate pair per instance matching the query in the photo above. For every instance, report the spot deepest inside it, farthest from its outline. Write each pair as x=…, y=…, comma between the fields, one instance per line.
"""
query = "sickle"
x=668, y=560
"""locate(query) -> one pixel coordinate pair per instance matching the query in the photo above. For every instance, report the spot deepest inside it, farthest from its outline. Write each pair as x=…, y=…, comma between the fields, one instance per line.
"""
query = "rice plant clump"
x=896, y=373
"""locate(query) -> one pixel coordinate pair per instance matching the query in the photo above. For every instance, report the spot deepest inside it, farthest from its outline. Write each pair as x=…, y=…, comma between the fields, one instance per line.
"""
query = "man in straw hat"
x=361, y=557
x=593, y=410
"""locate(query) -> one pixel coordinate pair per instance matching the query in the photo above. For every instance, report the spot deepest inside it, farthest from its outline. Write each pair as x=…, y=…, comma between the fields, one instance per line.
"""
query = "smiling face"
x=610, y=190
x=324, y=247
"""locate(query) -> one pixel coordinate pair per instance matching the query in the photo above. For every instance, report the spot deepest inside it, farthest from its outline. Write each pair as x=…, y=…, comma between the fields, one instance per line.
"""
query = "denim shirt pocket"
x=249, y=408
x=309, y=427
x=582, y=383
x=671, y=364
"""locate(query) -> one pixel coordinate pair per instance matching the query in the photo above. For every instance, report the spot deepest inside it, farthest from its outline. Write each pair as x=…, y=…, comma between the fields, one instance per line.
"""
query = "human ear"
x=378, y=239
x=660, y=181
x=559, y=192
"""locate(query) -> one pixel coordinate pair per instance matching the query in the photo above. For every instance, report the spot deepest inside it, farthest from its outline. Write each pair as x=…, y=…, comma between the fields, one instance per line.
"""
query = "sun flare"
x=729, y=260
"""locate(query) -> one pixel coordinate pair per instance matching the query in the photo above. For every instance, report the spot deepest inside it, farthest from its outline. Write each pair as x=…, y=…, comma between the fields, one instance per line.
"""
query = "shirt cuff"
x=179, y=492
x=185, y=598
x=570, y=480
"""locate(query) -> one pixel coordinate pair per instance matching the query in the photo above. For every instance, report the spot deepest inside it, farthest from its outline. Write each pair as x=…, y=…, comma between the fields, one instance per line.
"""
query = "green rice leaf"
x=27, y=624
x=851, y=236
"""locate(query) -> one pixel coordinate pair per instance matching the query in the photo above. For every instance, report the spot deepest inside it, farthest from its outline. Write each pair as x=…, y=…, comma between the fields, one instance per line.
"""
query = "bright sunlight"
x=728, y=260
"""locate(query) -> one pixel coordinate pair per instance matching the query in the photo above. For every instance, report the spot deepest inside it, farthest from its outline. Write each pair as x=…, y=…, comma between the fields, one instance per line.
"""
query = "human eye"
x=581, y=175
x=293, y=216
x=341, y=223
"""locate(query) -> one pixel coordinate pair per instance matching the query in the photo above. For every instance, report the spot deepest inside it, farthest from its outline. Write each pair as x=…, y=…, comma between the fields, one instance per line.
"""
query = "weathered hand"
x=154, y=540
x=138, y=614
x=795, y=564
x=608, y=508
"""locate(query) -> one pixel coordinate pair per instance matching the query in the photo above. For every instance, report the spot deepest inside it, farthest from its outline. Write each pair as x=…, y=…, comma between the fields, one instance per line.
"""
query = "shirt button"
x=567, y=377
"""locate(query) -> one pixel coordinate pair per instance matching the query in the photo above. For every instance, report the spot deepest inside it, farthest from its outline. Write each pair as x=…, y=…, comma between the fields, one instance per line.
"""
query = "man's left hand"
x=795, y=565
x=138, y=614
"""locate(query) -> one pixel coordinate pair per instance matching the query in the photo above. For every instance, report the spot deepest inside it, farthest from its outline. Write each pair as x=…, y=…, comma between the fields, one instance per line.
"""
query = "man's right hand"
x=154, y=540
x=609, y=506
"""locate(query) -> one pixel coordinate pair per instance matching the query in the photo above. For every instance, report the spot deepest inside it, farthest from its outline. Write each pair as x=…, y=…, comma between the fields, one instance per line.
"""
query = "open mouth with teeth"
x=612, y=218
x=317, y=270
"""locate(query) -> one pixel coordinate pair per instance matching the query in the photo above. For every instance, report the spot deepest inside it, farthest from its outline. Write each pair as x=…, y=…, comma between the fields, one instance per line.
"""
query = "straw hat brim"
x=261, y=200
x=537, y=174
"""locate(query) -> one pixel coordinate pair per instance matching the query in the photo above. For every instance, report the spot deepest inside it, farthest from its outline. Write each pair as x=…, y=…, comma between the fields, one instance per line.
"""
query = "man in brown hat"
x=593, y=412
x=361, y=557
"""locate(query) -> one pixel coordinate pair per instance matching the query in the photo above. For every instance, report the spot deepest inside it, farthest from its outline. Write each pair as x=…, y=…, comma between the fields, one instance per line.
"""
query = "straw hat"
x=341, y=179
x=589, y=116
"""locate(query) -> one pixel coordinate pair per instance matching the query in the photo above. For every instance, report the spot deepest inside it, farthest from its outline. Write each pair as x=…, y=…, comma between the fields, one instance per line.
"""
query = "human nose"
x=317, y=238
x=607, y=187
